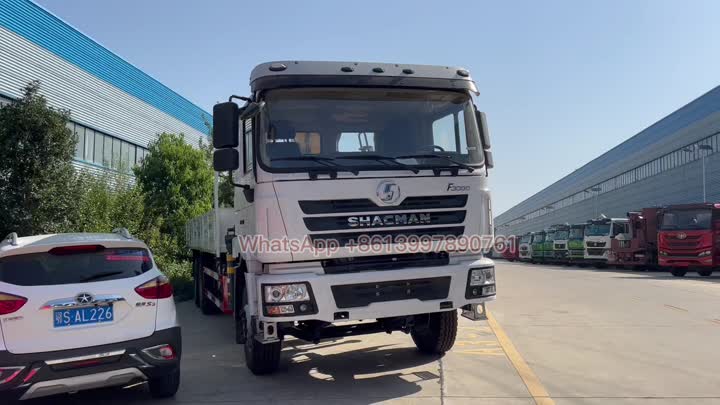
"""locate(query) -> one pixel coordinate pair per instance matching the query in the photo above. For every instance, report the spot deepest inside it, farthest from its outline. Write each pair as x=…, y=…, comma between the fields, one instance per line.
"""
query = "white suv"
x=82, y=311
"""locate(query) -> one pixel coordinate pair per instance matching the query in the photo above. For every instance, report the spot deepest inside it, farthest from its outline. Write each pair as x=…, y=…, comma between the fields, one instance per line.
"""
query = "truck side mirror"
x=485, y=138
x=226, y=125
x=226, y=160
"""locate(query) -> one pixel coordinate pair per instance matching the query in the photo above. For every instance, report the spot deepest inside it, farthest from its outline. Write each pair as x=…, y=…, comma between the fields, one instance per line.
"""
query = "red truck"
x=637, y=249
x=512, y=249
x=689, y=238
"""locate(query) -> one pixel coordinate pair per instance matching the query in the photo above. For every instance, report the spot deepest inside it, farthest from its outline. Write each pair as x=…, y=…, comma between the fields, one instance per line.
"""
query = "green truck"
x=560, y=243
x=576, y=243
x=548, y=245
x=538, y=247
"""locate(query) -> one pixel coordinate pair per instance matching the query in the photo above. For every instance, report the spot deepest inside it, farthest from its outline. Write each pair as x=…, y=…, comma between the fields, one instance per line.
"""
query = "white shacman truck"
x=352, y=182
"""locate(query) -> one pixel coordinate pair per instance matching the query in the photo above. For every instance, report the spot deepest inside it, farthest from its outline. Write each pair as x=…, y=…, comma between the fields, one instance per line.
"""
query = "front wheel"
x=705, y=273
x=260, y=358
x=436, y=332
x=678, y=272
x=165, y=386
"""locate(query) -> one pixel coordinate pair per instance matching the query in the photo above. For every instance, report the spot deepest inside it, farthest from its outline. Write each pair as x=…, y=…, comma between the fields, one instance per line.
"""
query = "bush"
x=180, y=275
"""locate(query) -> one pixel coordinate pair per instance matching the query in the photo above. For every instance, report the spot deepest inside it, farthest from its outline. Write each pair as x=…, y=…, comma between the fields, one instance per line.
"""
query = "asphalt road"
x=557, y=335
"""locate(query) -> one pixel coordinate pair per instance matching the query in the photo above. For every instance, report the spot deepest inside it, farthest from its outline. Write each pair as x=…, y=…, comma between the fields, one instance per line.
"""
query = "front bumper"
x=49, y=373
x=376, y=285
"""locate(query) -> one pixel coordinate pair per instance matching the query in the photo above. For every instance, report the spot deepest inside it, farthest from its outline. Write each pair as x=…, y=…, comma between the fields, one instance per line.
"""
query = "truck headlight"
x=482, y=276
x=705, y=253
x=663, y=253
x=286, y=293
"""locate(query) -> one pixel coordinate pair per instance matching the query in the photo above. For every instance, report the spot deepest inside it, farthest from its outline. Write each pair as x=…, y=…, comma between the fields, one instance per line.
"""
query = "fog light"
x=286, y=293
x=279, y=309
x=489, y=290
x=161, y=352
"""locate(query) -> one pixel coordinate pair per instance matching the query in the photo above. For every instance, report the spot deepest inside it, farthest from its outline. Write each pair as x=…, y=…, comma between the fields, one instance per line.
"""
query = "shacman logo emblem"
x=388, y=191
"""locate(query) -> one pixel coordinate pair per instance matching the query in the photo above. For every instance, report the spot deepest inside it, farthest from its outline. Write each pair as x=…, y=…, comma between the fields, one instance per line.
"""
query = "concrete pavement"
x=580, y=336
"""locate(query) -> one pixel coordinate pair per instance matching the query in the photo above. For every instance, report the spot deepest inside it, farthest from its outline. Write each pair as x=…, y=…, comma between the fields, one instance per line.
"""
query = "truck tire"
x=437, y=335
x=678, y=272
x=705, y=273
x=260, y=358
x=165, y=386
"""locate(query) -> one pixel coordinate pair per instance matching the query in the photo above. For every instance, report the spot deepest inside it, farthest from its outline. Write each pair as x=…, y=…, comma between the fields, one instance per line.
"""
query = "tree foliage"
x=37, y=189
x=176, y=183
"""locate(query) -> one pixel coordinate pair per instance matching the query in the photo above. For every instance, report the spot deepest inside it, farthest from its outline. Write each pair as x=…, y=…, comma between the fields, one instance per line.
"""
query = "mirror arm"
x=242, y=186
x=239, y=98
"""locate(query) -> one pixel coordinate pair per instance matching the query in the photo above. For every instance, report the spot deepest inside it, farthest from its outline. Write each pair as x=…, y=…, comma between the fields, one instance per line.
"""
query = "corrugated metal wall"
x=695, y=121
x=49, y=32
x=92, y=102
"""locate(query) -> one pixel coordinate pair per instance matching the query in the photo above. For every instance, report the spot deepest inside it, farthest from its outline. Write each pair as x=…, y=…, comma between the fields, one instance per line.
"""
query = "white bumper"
x=321, y=286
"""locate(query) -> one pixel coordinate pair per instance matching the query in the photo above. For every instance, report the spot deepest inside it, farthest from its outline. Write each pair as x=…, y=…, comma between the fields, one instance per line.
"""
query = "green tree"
x=37, y=188
x=176, y=182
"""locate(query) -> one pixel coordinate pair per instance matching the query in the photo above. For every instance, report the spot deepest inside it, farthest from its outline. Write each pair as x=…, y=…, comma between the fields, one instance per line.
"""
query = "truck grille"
x=559, y=246
x=595, y=244
x=384, y=262
x=362, y=295
x=363, y=223
x=672, y=243
x=366, y=238
x=367, y=205
x=595, y=252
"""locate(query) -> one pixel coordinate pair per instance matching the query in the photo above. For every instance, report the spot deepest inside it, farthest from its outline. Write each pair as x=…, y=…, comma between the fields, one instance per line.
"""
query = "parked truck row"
x=677, y=238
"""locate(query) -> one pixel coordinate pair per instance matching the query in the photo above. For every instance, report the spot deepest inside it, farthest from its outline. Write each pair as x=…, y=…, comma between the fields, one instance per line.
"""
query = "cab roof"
x=277, y=74
x=43, y=243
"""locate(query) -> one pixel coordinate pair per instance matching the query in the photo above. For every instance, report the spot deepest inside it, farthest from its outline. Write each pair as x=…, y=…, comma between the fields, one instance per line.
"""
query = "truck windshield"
x=368, y=129
x=525, y=239
x=561, y=235
x=597, y=230
x=576, y=233
x=686, y=219
x=539, y=238
x=550, y=236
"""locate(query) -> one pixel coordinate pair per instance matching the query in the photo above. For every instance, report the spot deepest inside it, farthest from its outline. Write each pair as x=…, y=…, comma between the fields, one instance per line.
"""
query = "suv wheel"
x=705, y=273
x=678, y=272
x=165, y=386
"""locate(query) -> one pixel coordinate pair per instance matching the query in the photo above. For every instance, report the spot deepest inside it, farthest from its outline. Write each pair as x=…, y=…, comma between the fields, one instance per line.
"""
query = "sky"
x=561, y=81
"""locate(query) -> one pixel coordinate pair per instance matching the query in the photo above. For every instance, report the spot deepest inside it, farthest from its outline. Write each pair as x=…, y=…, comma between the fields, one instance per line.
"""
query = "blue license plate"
x=82, y=316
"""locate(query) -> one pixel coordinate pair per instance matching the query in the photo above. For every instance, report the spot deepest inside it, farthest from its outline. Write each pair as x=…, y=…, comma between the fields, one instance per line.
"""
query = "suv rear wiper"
x=381, y=159
x=324, y=161
x=433, y=155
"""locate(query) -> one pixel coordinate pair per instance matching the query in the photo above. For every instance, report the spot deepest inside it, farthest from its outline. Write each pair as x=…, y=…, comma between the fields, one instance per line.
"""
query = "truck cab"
x=560, y=243
x=576, y=244
x=637, y=248
x=548, y=252
x=688, y=238
x=511, y=251
x=538, y=247
x=598, y=234
x=352, y=181
x=525, y=247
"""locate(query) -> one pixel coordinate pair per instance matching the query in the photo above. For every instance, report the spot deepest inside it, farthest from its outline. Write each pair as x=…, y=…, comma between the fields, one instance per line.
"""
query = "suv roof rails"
x=12, y=237
x=123, y=232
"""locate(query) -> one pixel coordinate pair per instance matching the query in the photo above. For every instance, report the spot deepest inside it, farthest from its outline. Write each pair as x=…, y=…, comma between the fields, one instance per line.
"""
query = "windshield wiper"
x=382, y=159
x=101, y=275
x=324, y=161
x=433, y=155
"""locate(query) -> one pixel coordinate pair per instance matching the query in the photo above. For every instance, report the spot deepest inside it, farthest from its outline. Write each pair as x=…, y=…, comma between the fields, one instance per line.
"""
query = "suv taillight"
x=156, y=288
x=10, y=303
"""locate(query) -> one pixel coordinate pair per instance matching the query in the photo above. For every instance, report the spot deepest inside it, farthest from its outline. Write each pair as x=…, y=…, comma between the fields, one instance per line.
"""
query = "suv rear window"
x=74, y=264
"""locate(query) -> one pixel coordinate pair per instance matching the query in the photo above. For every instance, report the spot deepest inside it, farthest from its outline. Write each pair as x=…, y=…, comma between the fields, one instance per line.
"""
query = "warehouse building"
x=661, y=165
x=116, y=109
